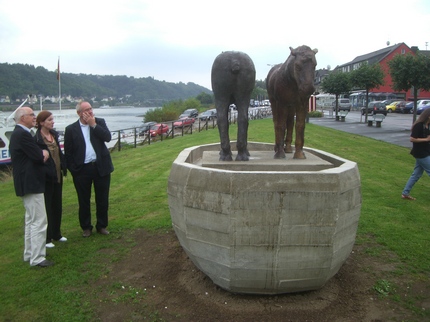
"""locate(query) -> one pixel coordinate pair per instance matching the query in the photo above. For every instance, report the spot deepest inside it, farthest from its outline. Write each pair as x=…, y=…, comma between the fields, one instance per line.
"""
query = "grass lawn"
x=139, y=200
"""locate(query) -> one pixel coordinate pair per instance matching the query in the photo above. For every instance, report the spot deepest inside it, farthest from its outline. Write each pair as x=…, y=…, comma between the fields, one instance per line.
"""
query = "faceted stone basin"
x=266, y=226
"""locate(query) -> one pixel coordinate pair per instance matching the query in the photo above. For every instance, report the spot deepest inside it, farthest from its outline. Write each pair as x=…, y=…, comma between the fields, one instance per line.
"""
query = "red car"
x=186, y=121
x=159, y=129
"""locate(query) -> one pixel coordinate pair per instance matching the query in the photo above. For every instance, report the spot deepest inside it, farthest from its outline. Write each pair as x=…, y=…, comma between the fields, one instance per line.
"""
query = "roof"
x=373, y=57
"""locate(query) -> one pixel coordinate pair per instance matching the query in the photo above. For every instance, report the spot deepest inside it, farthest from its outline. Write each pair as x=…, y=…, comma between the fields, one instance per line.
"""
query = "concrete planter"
x=265, y=226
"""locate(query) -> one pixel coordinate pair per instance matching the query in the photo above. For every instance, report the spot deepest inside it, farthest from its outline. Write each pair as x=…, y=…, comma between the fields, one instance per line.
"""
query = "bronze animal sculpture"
x=233, y=79
x=289, y=86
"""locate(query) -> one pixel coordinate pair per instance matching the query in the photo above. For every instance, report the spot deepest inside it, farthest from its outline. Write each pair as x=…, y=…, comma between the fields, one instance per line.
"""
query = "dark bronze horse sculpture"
x=233, y=79
x=289, y=86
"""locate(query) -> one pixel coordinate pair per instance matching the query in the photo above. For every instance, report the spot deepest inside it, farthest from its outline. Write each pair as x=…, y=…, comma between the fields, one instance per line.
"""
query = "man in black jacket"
x=29, y=182
x=89, y=161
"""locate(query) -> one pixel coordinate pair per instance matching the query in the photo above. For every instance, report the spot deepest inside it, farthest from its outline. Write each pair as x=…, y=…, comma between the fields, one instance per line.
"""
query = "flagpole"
x=59, y=81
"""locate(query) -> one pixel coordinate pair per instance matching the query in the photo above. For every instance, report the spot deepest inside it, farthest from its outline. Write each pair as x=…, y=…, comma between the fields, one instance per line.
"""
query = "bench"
x=377, y=118
x=342, y=115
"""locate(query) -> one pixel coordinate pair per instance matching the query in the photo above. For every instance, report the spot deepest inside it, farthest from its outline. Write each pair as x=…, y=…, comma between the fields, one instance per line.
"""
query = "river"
x=117, y=118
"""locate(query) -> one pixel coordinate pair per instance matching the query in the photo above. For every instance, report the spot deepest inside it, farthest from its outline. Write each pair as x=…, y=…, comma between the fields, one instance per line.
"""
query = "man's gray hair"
x=19, y=113
x=78, y=106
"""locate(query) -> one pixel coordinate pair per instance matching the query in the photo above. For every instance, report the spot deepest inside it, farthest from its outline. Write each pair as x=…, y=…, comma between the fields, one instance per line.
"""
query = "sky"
x=177, y=41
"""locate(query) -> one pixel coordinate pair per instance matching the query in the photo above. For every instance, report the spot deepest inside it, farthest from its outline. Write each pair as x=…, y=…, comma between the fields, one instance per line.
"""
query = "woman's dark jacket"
x=51, y=172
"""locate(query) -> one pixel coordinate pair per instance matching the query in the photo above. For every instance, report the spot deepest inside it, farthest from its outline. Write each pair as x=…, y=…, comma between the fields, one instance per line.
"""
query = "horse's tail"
x=235, y=66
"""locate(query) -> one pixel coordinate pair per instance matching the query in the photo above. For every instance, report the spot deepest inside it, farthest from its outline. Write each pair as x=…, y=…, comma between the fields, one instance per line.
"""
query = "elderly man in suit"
x=29, y=181
x=90, y=163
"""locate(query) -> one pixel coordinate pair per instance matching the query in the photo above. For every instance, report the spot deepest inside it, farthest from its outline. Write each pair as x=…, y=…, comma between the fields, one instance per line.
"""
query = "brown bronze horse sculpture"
x=233, y=79
x=289, y=86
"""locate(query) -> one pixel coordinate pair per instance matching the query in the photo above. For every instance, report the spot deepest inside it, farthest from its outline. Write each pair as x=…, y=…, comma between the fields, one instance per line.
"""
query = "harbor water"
x=117, y=118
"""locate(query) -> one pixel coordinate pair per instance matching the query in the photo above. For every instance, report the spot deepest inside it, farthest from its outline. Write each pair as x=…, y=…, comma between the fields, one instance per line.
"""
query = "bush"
x=171, y=111
x=315, y=114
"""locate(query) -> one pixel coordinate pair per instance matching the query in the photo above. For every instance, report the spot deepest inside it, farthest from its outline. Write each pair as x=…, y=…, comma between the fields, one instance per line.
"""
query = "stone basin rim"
x=184, y=159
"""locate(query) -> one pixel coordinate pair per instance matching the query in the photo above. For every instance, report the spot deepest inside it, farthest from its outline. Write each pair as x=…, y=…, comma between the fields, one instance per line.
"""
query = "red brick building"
x=382, y=57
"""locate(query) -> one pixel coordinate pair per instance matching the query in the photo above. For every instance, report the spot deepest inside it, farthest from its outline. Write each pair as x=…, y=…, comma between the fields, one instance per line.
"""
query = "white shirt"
x=90, y=154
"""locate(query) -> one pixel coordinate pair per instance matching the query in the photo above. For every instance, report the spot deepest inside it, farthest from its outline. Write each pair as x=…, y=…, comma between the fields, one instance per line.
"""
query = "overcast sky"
x=177, y=41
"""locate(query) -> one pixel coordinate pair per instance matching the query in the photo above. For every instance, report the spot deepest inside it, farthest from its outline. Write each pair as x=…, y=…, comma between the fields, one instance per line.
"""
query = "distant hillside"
x=19, y=80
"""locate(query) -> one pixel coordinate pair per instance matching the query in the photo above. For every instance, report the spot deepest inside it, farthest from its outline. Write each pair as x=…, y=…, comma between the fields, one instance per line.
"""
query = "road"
x=395, y=128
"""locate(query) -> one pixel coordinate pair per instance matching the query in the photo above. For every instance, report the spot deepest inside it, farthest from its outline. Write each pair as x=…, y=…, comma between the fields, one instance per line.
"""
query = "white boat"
x=7, y=125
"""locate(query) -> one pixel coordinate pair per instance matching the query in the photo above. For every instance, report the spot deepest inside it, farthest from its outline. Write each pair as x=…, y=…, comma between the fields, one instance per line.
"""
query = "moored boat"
x=6, y=127
x=7, y=124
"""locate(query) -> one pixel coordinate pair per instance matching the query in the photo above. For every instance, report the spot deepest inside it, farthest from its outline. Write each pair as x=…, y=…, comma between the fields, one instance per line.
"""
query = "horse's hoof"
x=288, y=150
x=242, y=157
x=227, y=157
x=280, y=155
x=299, y=155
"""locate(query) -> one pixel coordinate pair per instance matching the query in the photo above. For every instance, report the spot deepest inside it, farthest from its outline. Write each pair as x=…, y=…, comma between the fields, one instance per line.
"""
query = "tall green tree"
x=367, y=77
x=205, y=98
x=336, y=83
x=410, y=72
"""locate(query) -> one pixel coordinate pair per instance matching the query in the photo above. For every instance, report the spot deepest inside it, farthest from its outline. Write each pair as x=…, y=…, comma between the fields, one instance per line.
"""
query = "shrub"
x=315, y=114
x=171, y=110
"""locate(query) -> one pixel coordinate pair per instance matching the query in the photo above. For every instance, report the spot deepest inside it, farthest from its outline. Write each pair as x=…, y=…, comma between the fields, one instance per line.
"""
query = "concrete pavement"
x=395, y=128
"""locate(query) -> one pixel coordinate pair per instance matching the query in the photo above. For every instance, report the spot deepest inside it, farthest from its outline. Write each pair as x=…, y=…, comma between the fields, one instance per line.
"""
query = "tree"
x=259, y=92
x=367, y=77
x=336, y=83
x=410, y=72
x=205, y=98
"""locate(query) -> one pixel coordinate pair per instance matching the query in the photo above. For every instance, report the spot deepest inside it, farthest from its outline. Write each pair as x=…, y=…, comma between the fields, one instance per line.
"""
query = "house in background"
x=381, y=57
x=320, y=74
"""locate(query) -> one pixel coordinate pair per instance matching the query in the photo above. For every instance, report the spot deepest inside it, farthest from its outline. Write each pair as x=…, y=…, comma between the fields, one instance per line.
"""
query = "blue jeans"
x=421, y=165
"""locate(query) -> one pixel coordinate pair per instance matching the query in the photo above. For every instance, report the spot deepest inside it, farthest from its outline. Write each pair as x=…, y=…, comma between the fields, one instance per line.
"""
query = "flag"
x=58, y=70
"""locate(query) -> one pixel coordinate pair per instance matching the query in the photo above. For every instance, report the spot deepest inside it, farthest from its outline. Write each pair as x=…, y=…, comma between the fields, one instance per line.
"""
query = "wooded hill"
x=19, y=80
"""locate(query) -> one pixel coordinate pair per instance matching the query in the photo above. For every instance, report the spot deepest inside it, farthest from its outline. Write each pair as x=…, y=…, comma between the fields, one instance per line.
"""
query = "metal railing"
x=132, y=137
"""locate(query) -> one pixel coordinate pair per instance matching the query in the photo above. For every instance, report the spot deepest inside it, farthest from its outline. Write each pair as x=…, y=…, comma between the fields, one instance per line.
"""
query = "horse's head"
x=304, y=68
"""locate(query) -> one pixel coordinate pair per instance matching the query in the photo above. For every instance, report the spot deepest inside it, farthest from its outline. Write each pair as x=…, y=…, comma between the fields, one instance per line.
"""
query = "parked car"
x=375, y=107
x=402, y=107
x=343, y=104
x=191, y=112
x=145, y=127
x=422, y=105
x=392, y=106
x=390, y=101
x=409, y=106
x=159, y=129
x=185, y=121
x=208, y=115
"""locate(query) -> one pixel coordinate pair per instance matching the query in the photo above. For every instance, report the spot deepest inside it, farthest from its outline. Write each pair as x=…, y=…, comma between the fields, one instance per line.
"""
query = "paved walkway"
x=395, y=129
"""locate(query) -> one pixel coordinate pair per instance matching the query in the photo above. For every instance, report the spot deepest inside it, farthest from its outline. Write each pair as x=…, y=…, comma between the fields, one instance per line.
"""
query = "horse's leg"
x=279, y=116
x=242, y=130
x=290, y=126
x=300, y=131
x=222, y=123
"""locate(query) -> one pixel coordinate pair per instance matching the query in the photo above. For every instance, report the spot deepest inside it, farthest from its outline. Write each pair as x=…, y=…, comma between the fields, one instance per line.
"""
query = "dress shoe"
x=45, y=263
x=50, y=245
x=63, y=239
x=103, y=231
x=87, y=233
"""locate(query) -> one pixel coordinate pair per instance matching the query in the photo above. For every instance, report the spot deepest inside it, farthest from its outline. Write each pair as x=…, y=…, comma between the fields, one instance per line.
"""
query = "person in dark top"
x=89, y=161
x=29, y=175
x=420, y=138
x=47, y=139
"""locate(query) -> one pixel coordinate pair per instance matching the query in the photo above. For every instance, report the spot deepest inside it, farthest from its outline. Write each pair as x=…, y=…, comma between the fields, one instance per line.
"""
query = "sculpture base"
x=265, y=226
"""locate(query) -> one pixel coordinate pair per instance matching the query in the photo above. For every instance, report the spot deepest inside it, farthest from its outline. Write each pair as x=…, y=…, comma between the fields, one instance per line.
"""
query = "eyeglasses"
x=31, y=114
